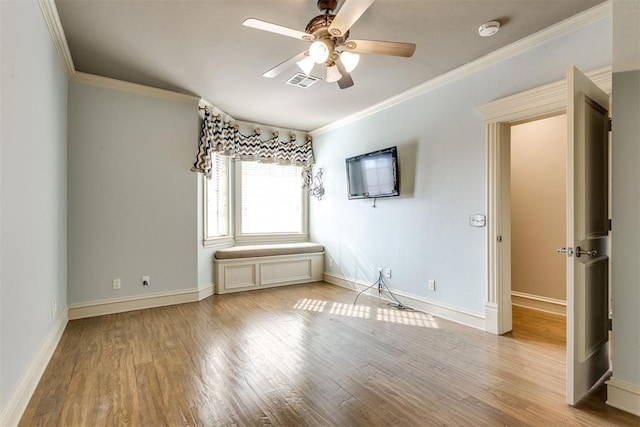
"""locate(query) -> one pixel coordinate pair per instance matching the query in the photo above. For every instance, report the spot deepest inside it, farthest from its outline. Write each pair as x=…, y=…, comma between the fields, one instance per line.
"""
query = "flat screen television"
x=373, y=175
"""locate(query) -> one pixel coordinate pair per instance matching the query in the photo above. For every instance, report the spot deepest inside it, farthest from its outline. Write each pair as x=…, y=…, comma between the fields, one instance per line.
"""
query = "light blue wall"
x=132, y=196
x=205, y=255
x=33, y=190
x=425, y=234
x=625, y=216
x=626, y=192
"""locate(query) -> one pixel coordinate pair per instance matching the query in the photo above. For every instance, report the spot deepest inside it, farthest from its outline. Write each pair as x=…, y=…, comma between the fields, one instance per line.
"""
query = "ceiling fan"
x=330, y=47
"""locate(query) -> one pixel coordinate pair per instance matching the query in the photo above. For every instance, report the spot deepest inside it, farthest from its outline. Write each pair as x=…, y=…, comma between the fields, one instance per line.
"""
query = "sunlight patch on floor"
x=413, y=318
x=350, y=310
x=404, y=317
x=310, y=304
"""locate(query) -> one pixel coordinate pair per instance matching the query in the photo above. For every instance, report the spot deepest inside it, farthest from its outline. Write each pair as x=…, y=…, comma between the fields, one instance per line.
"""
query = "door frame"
x=499, y=116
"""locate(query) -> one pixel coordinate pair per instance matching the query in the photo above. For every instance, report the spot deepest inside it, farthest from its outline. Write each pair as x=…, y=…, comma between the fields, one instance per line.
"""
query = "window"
x=216, y=190
x=270, y=201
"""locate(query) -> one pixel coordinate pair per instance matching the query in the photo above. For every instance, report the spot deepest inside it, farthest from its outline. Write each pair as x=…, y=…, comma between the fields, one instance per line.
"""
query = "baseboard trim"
x=141, y=302
x=623, y=395
x=18, y=402
x=13, y=411
x=491, y=323
x=454, y=314
x=536, y=302
x=205, y=292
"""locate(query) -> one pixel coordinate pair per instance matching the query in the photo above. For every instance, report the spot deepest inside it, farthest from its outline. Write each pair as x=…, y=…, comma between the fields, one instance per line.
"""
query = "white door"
x=587, y=235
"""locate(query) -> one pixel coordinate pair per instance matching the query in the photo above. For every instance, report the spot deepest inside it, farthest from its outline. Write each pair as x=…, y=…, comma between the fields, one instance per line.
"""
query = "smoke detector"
x=489, y=28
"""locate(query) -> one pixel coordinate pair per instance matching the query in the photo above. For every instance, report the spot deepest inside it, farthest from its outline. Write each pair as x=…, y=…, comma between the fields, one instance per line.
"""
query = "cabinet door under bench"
x=235, y=272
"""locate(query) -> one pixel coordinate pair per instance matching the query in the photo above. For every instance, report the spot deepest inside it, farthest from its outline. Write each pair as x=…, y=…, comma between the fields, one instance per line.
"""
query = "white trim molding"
x=17, y=403
x=51, y=17
x=540, y=303
x=455, y=314
x=139, y=302
x=539, y=102
x=491, y=319
x=623, y=395
x=596, y=13
x=205, y=292
x=139, y=89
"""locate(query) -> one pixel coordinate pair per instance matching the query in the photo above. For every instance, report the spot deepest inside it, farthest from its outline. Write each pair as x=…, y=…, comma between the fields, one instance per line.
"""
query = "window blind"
x=271, y=198
x=218, y=198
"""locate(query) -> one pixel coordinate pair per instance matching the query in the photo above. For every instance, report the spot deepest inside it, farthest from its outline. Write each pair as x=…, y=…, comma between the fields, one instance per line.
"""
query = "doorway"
x=500, y=115
x=538, y=227
x=586, y=102
x=538, y=214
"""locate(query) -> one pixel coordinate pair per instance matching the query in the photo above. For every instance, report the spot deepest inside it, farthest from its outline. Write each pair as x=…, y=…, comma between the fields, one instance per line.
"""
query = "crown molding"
x=541, y=101
x=51, y=17
x=573, y=23
x=124, y=86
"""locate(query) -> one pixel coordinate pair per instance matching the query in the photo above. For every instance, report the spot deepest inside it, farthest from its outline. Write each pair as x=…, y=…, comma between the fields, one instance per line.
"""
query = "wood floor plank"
x=304, y=355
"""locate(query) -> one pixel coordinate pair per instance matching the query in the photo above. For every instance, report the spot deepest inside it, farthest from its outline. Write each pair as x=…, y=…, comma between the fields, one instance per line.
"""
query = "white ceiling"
x=200, y=47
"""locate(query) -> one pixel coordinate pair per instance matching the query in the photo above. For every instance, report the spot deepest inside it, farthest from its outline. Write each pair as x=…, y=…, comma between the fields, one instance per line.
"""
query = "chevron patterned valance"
x=224, y=138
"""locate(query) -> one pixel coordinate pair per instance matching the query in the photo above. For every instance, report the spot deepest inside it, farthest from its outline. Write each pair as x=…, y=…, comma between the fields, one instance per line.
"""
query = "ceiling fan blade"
x=348, y=14
x=284, y=65
x=346, y=80
x=381, y=47
x=275, y=28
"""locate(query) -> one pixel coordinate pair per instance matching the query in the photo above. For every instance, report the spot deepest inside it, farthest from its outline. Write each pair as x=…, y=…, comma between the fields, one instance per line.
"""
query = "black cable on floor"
x=383, y=288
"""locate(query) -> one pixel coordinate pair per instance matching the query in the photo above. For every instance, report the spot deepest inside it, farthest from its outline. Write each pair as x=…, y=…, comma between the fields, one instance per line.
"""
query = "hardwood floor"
x=304, y=355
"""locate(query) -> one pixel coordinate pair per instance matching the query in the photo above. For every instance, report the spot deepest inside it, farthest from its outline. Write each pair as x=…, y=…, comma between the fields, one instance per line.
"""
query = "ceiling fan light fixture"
x=319, y=51
x=306, y=64
x=349, y=60
x=333, y=74
x=329, y=46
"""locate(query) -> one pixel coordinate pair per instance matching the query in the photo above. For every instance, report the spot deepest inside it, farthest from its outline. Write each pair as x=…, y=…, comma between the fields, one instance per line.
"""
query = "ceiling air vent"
x=302, y=80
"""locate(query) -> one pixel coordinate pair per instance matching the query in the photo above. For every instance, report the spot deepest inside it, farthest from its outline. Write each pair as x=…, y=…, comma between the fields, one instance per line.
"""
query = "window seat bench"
x=243, y=268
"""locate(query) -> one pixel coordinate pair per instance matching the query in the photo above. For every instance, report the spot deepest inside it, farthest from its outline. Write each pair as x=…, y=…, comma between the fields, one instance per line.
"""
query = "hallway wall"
x=538, y=207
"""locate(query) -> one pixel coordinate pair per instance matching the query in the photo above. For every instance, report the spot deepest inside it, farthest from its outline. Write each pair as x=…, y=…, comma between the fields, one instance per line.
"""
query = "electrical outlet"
x=54, y=309
x=432, y=285
x=387, y=272
x=145, y=281
x=330, y=262
x=116, y=284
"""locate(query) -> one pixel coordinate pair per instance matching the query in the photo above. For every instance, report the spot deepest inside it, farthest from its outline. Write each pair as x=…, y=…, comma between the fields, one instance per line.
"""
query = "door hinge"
x=610, y=324
x=610, y=125
x=610, y=225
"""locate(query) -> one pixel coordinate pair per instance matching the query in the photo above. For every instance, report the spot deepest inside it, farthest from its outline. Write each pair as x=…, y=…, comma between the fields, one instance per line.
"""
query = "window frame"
x=227, y=238
x=234, y=213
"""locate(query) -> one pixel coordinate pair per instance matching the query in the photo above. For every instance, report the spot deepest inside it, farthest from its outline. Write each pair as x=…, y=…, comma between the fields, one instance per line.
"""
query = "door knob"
x=592, y=253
